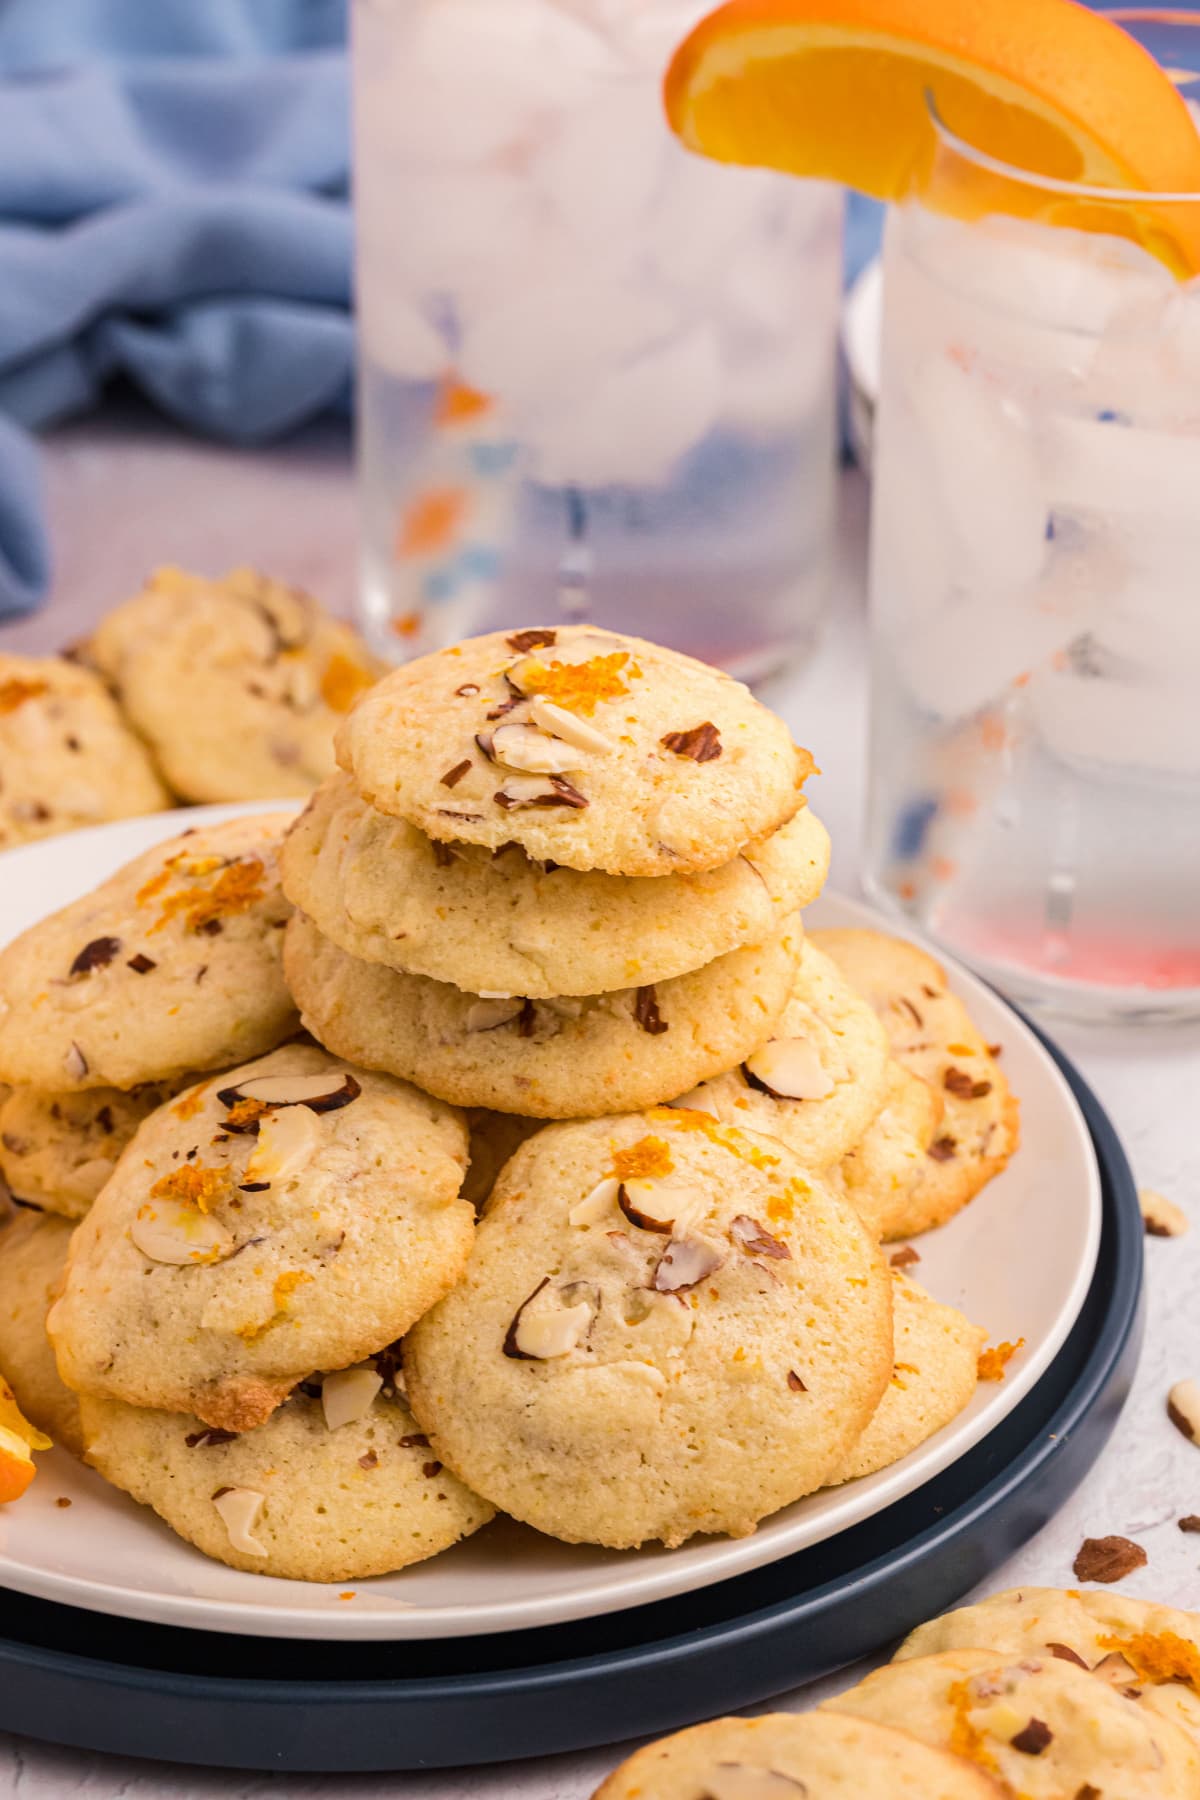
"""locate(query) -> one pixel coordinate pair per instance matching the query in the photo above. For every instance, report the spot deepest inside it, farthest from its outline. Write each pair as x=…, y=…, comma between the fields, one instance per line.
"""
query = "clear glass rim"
x=1057, y=184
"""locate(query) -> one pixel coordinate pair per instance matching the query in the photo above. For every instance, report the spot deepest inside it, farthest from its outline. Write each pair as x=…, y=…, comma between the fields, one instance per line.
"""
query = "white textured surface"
x=297, y=509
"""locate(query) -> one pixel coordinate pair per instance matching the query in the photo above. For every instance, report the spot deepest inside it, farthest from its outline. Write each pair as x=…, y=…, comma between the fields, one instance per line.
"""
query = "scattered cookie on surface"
x=821, y=1077
x=58, y=1150
x=33, y=1253
x=237, y=685
x=585, y=748
x=495, y=921
x=337, y=1485
x=795, y=1756
x=932, y=1034
x=1042, y=1725
x=174, y=964
x=288, y=1215
x=887, y=1164
x=67, y=756
x=933, y=1378
x=551, y=1059
x=667, y=1303
x=1126, y=1642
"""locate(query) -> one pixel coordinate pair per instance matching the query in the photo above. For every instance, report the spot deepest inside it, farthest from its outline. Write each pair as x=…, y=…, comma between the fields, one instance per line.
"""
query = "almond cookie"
x=68, y=757
x=237, y=685
x=497, y=922
x=547, y=1059
x=291, y=1214
x=173, y=964
x=879, y=1175
x=33, y=1254
x=337, y=1485
x=934, y=1374
x=585, y=748
x=1048, y=1729
x=818, y=1080
x=795, y=1756
x=665, y=1327
x=932, y=1034
x=58, y=1150
x=1127, y=1643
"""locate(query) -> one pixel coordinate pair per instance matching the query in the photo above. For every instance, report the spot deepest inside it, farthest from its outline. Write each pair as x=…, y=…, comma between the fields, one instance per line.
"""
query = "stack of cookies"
x=550, y=923
x=1036, y=1692
x=559, y=877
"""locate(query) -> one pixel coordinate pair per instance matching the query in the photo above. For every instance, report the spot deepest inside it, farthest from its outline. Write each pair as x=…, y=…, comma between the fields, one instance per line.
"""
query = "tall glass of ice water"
x=1035, y=576
x=596, y=373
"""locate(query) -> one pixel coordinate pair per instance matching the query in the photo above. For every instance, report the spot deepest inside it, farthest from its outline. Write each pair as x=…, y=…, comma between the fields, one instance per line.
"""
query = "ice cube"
x=1106, y=467
x=1138, y=726
x=986, y=474
x=602, y=164
x=631, y=428
x=464, y=81
x=968, y=651
x=703, y=213
x=460, y=232
x=1054, y=278
x=540, y=346
x=789, y=385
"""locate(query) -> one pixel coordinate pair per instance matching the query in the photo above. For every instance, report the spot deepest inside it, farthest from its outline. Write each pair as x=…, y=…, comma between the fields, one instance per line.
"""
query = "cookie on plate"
x=934, y=1374
x=337, y=1485
x=68, y=757
x=881, y=1172
x=33, y=1253
x=58, y=1150
x=237, y=685
x=172, y=964
x=583, y=747
x=1048, y=1729
x=291, y=1214
x=931, y=1032
x=818, y=1080
x=1126, y=1642
x=495, y=921
x=665, y=1327
x=548, y=1059
x=795, y=1756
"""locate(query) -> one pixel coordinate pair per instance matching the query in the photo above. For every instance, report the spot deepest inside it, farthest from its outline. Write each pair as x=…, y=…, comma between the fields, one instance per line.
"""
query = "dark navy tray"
x=259, y=1703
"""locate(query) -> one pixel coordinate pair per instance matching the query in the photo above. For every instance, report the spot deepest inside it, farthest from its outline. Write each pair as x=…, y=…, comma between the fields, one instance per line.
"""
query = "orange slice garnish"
x=18, y=1439
x=841, y=90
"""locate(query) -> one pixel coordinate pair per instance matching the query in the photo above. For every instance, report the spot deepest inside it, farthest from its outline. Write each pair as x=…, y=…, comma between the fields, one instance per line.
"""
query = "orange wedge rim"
x=843, y=90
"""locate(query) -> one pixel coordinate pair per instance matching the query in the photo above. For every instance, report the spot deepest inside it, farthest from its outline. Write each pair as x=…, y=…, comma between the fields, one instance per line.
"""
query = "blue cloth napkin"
x=173, y=209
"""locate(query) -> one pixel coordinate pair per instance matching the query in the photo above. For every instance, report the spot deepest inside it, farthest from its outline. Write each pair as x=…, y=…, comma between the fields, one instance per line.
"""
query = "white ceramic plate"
x=997, y=1261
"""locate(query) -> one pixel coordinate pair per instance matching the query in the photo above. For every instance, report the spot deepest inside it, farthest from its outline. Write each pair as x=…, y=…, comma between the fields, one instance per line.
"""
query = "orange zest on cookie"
x=16, y=692
x=966, y=1740
x=684, y=1118
x=244, y=1112
x=191, y=1103
x=649, y=1157
x=1159, y=1656
x=995, y=1359
x=238, y=887
x=581, y=686
x=194, y=1185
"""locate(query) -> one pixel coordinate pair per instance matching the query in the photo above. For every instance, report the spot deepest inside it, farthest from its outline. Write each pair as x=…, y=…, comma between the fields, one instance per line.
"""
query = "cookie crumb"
x=905, y=1258
x=62, y=1501
x=1161, y=1217
x=1108, y=1559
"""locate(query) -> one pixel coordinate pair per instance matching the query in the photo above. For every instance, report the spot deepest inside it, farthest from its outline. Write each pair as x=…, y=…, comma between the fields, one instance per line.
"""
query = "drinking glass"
x=1035, y=565
x=596, y=372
